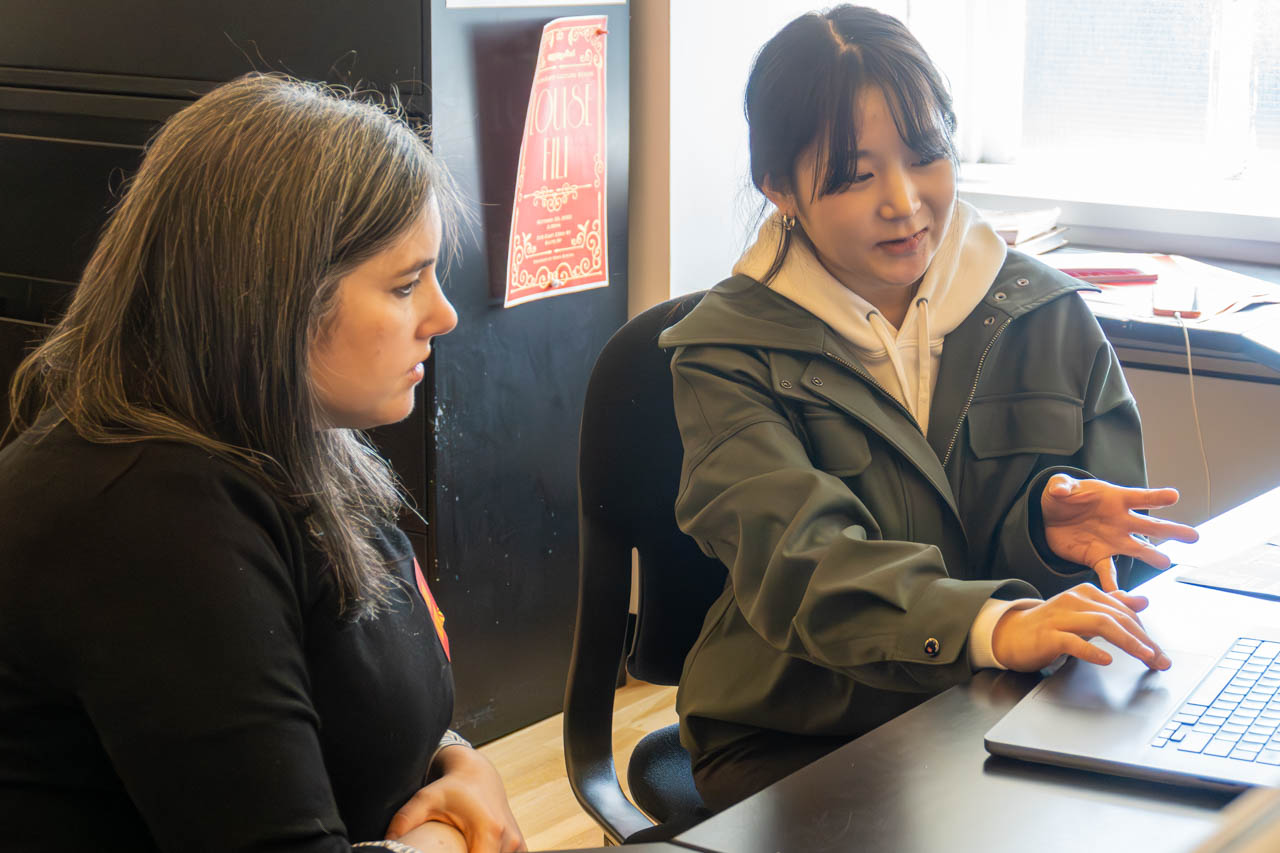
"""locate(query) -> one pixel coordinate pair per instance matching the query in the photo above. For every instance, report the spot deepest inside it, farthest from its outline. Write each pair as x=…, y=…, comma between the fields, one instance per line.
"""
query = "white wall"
x=649, y=205
x=1238, y=420
x=692, y=204
x=712, y=202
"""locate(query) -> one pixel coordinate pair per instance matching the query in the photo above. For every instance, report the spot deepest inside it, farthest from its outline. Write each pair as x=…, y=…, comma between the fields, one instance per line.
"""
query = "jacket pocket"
x=1026, y=423
x=838, y=447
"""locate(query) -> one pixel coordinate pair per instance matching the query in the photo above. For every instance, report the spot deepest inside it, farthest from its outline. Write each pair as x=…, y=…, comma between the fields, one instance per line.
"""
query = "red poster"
x=559, y=229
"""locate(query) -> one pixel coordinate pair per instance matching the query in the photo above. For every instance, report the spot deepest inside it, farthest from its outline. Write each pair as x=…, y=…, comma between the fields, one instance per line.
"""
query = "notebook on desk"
x=1212, y=720
x=1253, y=571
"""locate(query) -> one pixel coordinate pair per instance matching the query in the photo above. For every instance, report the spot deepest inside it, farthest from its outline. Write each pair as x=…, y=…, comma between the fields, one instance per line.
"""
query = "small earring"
x=788, y=222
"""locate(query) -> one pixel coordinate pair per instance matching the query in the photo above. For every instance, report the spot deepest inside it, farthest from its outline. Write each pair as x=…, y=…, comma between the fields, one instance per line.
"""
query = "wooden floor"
x=531, y=762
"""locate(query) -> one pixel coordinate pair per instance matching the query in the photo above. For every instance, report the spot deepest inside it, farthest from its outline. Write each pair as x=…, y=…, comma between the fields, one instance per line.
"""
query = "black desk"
x=924, y=781
x=1227, y=346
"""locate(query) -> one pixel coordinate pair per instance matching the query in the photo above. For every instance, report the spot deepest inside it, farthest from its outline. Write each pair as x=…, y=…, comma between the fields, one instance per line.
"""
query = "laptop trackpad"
x=1126, y=685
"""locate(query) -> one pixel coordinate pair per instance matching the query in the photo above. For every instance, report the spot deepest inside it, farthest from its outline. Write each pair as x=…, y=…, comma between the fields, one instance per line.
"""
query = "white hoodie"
x=966, y=263
x=961, y=273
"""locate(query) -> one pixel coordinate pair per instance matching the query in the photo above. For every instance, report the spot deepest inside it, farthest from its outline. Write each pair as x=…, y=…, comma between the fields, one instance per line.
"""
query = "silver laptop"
x=1211, y=720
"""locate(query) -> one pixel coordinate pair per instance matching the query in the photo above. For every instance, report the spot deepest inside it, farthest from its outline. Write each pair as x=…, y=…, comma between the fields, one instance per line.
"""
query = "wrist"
x=982, y=632
x=1005, y=626
x=1004, y=638
x=452, y=750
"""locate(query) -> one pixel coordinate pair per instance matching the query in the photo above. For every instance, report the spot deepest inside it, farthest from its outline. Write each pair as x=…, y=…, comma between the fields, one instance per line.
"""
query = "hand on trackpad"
x=1125, y=685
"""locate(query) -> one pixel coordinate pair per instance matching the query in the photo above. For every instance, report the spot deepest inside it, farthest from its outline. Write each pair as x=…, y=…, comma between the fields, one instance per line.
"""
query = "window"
x=1154, y=125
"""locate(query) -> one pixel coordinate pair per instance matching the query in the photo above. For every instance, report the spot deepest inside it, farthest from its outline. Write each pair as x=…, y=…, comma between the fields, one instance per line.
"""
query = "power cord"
x=1195, y=413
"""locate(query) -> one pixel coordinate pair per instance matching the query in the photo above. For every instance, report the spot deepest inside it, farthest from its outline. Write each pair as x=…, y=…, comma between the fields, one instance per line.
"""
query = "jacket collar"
x=740, y=311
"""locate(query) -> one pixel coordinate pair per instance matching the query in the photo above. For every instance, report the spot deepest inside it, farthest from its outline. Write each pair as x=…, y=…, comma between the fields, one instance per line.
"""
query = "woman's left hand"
x=1090, y=521
x=470, y=796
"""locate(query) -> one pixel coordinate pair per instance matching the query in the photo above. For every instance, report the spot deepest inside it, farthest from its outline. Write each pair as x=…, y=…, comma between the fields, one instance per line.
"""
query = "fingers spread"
x=1150, y=498
x=1106, y=571
x=1088, y=612
x=1140, y=549
x=1152, y=557
x=1179, y=532
x=1079, y=648
x=1096, y=600
x=1136, y=603
x=1122, y=632
x=1160, y=528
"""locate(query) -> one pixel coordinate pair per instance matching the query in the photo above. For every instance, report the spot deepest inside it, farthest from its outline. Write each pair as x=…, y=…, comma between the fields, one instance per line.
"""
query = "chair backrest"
x=629, y=458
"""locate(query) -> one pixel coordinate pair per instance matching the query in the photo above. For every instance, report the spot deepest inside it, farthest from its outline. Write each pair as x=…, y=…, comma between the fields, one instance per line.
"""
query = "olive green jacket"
x=860, y=551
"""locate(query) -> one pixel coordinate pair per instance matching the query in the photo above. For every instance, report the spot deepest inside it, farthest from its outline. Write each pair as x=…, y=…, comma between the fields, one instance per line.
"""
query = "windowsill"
x=1226, y=219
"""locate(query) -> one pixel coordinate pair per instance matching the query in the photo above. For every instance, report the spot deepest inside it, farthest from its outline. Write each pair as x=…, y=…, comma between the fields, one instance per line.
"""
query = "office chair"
x=629, y=457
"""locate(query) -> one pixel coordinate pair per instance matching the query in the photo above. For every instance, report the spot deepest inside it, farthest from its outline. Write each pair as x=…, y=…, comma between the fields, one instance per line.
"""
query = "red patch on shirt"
x=437, y=615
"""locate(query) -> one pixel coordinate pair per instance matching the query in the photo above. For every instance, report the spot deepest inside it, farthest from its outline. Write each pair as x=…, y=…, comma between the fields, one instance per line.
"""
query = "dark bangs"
x=917, y=100
x=804, y=88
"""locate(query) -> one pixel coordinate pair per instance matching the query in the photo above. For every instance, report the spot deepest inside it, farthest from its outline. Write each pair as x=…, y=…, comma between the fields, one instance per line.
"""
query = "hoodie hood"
x=903, y=361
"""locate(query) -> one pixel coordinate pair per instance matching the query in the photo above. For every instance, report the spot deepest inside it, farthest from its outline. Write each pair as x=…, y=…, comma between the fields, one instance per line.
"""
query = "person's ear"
x=781, y=199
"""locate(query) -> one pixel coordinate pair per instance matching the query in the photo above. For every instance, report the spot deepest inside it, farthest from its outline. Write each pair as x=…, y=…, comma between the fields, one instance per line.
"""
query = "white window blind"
x=1115, y=83
x=1267, y=50
x=1144, y=119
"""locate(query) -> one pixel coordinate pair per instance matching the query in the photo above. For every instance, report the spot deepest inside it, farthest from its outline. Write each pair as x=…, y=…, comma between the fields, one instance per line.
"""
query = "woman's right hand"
x=468, y=795
x=1031, y=638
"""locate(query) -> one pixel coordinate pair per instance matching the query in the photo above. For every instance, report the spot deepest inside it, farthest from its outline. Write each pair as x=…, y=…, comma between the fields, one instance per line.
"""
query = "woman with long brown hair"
x=212, y=636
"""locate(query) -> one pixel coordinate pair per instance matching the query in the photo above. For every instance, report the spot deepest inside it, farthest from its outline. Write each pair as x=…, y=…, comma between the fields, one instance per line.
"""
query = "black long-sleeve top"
x=174, y=673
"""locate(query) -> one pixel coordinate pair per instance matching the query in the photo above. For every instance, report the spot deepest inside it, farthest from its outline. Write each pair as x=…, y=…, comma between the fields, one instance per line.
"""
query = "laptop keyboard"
x=1235, y=711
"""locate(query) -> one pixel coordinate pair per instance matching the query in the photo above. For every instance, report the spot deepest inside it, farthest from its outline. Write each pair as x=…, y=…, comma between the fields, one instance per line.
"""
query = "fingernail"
x=1163, y=662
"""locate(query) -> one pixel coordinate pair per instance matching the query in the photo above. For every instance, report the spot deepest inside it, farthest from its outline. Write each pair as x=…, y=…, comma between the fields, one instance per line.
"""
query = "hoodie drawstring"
x=924, y=357
x=924, y=361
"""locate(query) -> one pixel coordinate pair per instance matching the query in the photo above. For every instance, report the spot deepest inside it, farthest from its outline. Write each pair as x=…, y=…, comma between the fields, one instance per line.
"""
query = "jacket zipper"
x=869, y=378
x=974, y=390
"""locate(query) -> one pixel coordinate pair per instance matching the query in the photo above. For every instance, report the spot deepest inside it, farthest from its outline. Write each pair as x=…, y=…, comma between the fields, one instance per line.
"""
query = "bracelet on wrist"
x=450, y=738
x=393, y=846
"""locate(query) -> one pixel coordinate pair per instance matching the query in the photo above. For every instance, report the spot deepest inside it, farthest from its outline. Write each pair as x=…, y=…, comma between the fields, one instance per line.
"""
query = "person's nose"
x=901, y=200
x=439, y=317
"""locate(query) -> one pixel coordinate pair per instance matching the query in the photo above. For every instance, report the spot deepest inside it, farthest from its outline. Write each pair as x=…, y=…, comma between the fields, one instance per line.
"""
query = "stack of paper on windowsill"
x=1217, y=291
x=1031, y=231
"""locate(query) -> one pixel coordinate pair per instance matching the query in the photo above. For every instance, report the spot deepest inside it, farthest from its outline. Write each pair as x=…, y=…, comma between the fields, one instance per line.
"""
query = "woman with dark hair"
x=212, y=636
x=898, y=435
